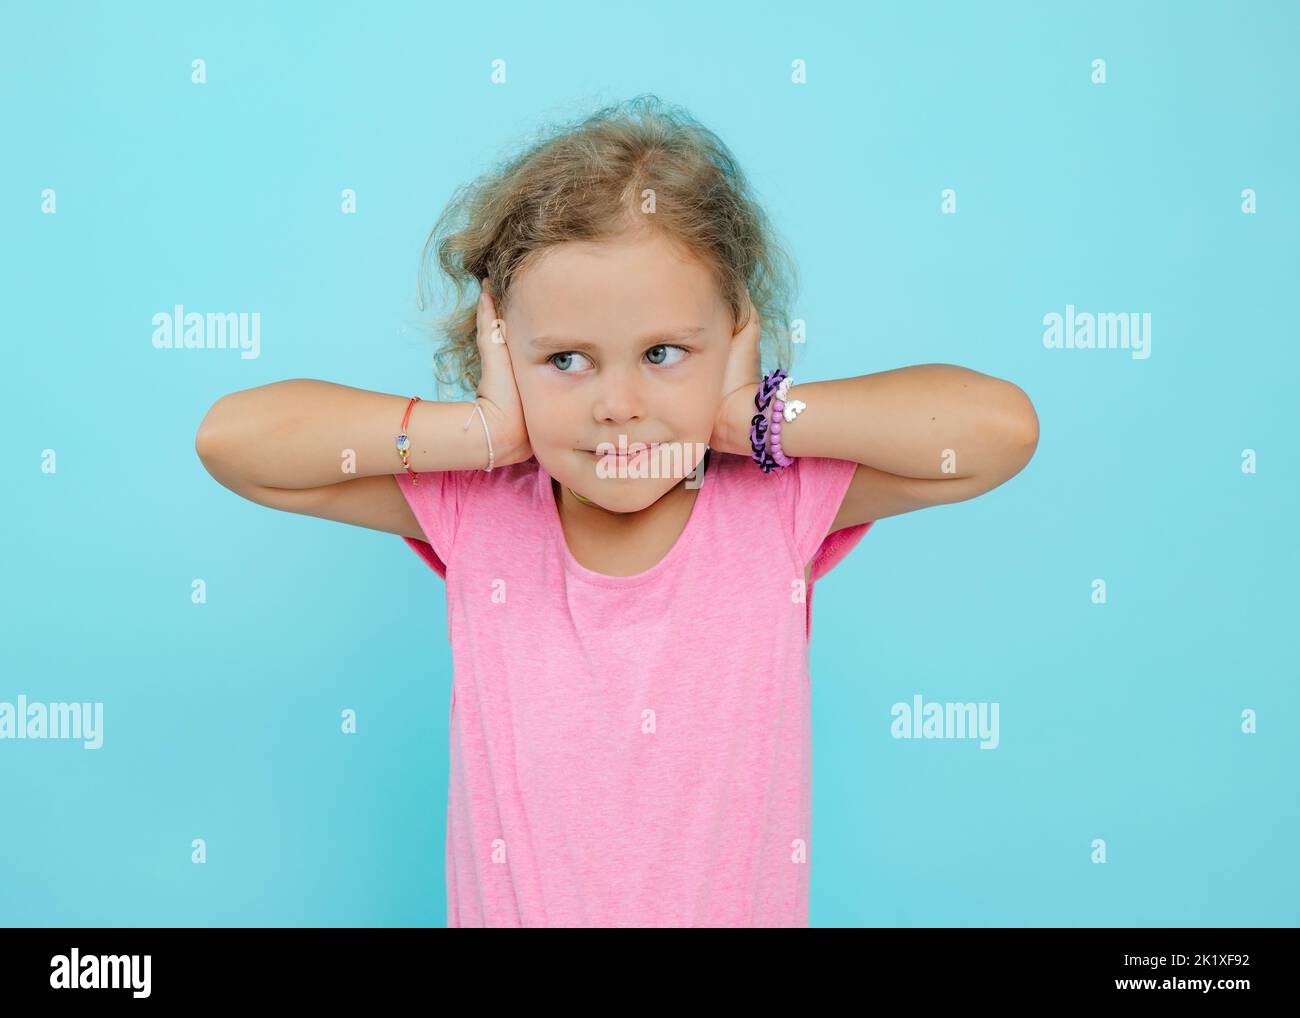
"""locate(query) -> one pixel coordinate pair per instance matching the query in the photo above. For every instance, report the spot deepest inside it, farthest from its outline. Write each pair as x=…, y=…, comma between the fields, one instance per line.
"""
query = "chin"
x=618, y=494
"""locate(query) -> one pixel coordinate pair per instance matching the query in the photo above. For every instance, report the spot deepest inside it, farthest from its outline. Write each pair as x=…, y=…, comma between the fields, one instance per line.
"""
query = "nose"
x=620, y=397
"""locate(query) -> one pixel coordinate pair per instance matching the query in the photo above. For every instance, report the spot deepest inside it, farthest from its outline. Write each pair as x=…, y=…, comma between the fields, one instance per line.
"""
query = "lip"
x=634, y=449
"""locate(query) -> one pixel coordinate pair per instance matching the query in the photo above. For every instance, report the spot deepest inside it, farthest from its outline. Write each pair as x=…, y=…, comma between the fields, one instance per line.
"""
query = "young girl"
x=629, y=517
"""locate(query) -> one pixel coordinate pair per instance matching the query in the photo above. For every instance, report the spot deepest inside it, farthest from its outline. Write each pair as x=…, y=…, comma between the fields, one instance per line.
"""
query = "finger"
x=494, y=355
x=487, y=316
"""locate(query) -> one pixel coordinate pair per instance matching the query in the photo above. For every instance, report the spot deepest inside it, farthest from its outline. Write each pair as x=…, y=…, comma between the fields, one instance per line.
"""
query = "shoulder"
x=805, y=497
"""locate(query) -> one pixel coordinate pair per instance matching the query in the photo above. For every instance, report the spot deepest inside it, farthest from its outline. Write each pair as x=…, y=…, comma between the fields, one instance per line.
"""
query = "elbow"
x=1028, y=430
x=208, y=440
x=1022, y=426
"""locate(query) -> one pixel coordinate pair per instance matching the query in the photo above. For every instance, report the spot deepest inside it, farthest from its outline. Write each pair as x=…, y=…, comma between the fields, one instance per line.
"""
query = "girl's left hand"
x=740, y=381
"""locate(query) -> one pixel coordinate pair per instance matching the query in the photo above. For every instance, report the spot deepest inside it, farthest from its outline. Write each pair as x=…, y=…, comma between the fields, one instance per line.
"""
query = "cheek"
x=550, y=409
x=697, y=403
x=536, y=389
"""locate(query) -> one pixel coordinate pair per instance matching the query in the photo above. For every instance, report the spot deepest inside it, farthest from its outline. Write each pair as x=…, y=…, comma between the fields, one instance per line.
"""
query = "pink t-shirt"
x=631, y=750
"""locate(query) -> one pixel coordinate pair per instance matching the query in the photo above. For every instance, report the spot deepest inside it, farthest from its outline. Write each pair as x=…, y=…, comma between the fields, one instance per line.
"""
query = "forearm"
x=304, y=433
x=937, y=421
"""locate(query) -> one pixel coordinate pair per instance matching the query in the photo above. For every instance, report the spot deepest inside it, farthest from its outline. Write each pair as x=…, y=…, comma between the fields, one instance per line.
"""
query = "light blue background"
x=1119, y=722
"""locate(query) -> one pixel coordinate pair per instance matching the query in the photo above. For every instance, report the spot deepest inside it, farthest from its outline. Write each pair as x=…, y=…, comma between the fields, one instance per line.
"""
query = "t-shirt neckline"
x=685, y=538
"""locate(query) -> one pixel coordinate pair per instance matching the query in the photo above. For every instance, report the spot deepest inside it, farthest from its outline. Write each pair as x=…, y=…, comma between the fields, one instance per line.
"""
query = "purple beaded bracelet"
x=774, y=430
x=764, y=426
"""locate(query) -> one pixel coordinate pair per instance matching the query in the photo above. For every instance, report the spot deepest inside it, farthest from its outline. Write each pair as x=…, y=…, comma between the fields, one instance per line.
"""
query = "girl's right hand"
x=497, y=392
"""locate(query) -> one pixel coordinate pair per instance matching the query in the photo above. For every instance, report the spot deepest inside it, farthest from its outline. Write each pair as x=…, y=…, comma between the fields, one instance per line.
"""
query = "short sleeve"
x=817, y=485
x=437, y=498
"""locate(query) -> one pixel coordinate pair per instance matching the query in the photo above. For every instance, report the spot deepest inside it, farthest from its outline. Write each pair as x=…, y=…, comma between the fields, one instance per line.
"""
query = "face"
x=627, y=339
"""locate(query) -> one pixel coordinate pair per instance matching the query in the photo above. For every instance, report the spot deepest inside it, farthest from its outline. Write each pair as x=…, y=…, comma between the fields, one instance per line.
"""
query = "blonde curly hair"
x=638, y=164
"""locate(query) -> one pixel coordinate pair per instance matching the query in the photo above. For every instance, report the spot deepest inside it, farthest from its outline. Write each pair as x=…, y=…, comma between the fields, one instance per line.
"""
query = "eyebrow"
x=560, y=343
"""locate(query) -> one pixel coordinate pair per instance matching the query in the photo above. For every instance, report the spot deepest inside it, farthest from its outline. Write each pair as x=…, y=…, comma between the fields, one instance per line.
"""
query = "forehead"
x=610, y=291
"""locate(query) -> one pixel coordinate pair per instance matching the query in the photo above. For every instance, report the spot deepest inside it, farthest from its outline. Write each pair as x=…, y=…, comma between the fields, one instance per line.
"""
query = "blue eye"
x=563, y=367
x=566, y=353
x=682, y=349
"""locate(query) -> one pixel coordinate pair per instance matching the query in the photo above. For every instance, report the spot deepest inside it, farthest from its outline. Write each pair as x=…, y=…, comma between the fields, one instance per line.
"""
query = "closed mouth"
x=632, y=450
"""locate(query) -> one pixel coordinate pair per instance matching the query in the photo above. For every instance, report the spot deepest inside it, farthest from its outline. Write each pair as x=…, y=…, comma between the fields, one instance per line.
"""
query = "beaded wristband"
x=765, y=428
x=782, y=409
